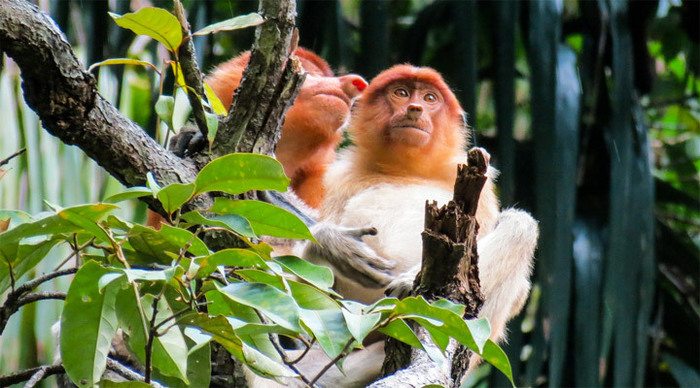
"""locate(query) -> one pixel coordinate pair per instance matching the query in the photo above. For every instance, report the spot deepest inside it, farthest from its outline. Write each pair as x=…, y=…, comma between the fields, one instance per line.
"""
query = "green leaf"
x=311, y=298
x=87, y=218
x=495, y=356
x=216, y=105
x=152, y=184
x=174, y=195
x=165, y=107
x=21, y=258
x=232, y=257
x=240, y=172
x=246, y=323
x=169, y=350
x=329, y=329
x=231, y=222
x=123, y=61
x=318, y=275
x=221, y=331
x=130, y=193
x=157, y=23
x=360, y=325
x=265, y=219
x=164, y=245
x=401, y=331
x=263, y=365
x=257, y=276
x=242, y=21
x=280, y=307
x=88, y=324
x=212, y=126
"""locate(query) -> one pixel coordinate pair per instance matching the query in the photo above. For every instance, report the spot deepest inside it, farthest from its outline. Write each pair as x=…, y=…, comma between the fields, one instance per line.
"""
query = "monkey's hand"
x=188, y=141
x=344, y=250
x=479, y=154
x=402, y=285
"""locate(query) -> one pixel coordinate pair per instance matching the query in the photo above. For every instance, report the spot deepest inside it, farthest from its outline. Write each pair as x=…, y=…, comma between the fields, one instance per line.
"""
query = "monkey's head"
x=407, y=116
x=323, y=102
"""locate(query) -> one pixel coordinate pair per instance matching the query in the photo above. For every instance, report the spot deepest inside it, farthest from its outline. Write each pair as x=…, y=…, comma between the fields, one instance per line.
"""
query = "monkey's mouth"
x=410, y=126
x=335, y=93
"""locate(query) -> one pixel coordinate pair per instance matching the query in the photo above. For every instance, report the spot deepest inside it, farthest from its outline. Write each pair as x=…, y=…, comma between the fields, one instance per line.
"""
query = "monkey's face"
x=413, y=107
x=323, y=103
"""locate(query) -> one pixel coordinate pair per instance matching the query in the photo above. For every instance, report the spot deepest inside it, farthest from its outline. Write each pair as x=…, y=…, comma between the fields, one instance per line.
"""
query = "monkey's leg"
x=505, y=266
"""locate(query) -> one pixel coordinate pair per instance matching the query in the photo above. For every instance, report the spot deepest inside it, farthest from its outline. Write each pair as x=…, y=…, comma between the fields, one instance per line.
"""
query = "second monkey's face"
x=413, y=106
x=324, y=101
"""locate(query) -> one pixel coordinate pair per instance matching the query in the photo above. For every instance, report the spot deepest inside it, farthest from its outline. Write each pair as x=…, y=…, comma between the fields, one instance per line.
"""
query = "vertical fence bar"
x=504, y=87
x=543, y=37
x=374, y=37
x=466, y=53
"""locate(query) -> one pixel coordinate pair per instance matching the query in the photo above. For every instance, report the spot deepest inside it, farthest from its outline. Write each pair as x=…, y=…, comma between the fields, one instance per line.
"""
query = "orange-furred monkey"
x=409, y=137
x=312, y=127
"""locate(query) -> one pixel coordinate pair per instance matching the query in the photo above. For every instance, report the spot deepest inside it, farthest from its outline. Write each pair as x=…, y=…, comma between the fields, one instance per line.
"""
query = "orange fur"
x=311, y=130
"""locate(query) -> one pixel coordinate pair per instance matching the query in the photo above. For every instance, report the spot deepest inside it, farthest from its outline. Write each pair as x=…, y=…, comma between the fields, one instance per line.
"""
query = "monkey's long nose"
x=414, y=111
x=352, y=84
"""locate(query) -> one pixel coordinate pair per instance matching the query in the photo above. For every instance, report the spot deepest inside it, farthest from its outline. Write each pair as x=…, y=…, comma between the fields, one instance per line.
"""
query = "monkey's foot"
x=402, y=285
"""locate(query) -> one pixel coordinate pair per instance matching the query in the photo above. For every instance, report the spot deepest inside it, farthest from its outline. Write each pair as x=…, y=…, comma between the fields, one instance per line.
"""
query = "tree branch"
x=268, y=86
x=16, y=378
x=449, y=270
x=190, y=71
x=64, y=95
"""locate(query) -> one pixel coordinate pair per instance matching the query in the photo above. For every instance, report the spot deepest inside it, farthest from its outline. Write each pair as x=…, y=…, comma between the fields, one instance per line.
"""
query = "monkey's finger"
x=360, y=232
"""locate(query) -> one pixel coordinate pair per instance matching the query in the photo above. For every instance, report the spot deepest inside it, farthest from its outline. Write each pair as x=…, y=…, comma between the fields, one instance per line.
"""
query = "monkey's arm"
x=337, y=246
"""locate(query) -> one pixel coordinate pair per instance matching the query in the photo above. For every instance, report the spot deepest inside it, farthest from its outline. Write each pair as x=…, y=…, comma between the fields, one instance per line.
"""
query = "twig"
x=332, y=362
x=46, y=295
x=283, y=354
x=151, y=336
x=32, y=284
x=308, y=347
x=27, y=374
x=190, y=71
x=16, y=154
x=127, y=373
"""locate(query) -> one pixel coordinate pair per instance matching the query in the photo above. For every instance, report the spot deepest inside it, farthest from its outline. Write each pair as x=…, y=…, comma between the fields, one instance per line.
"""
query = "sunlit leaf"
x=174, y=195
x=265, y=219
x=240, y=172
x=231, y=222
x=232, y=257
x=212, y=126
x=165, y=107
x=169, y=350
x=130, y=193
x=277, y=305
x=495, y=356
x=88, y=324
x=318, y=275
x=329, y=329
x=401, y=331
x=242, y=21
x=216, y=105
x=157, y=23
x=123, y=61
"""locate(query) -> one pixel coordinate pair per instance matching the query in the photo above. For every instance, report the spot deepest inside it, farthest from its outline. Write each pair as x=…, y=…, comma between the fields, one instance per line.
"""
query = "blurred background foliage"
x=590, y=109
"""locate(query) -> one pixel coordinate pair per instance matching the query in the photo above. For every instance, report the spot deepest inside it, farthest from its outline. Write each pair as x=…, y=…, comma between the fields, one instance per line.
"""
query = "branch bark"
x=449, y=270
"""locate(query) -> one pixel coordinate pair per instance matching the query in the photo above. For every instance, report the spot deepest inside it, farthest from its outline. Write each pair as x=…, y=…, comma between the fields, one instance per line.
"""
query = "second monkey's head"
x=320, y=108
x=407, y=119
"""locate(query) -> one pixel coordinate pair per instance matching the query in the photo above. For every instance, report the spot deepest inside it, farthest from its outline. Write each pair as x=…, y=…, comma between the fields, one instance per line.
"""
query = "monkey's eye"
x=401, y=92
x=430, y=97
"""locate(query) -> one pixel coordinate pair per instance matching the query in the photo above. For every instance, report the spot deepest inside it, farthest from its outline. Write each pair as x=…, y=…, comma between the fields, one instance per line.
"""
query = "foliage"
x=170, y=296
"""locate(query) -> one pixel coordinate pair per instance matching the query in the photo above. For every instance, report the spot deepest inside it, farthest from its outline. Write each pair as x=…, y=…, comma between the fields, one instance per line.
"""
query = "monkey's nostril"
x=360, y=84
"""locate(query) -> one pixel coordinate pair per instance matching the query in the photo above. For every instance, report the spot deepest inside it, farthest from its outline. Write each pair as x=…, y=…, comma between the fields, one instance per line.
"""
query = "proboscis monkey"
x=409, y=136
x=312, y=127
